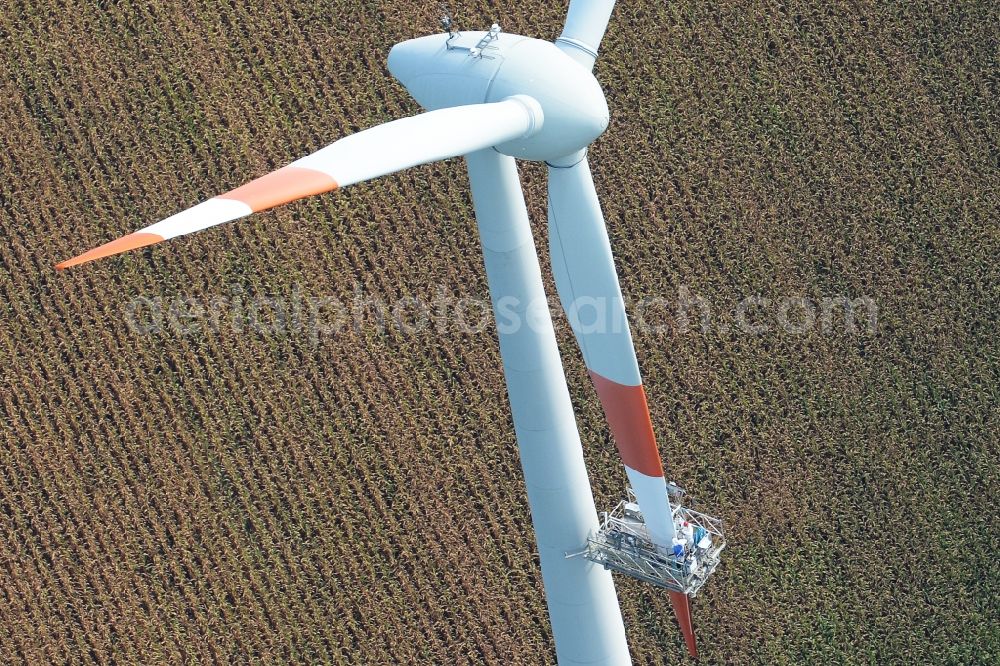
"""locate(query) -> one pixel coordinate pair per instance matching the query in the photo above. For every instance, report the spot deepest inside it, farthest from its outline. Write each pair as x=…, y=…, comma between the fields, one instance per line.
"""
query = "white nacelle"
x=441, y=73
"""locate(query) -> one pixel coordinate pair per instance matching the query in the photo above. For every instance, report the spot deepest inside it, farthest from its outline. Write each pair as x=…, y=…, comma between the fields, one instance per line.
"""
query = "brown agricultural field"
x=218, y=492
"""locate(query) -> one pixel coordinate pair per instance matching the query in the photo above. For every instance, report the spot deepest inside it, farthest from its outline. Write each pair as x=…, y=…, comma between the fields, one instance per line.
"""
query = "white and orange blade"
x=587, y=283
x=374, y=152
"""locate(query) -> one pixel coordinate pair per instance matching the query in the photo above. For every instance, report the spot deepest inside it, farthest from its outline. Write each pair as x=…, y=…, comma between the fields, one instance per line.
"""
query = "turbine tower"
x=493, y=97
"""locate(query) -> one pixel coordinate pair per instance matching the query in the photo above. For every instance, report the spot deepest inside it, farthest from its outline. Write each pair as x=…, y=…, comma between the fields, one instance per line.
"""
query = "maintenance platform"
x=622, y=544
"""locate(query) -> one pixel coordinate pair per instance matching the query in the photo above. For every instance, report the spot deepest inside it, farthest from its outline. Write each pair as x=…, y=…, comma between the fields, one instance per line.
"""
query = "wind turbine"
x=493, y=97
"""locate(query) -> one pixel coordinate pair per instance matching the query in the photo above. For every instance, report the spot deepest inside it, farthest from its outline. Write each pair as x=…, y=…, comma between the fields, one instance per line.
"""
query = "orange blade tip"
x=123, y=244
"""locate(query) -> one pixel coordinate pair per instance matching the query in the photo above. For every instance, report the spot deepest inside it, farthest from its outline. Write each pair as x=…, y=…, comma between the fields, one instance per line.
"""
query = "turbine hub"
x=441, y=71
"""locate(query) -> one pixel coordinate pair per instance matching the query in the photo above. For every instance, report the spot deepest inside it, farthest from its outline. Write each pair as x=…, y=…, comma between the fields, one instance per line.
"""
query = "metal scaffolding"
x=622, y=544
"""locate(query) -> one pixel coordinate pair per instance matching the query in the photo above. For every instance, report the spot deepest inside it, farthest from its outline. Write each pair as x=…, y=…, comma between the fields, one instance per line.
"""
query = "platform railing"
x=622, y=544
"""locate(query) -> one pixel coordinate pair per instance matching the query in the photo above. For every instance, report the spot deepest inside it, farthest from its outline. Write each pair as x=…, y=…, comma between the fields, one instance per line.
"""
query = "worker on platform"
x=679, y=543
x=687, y=529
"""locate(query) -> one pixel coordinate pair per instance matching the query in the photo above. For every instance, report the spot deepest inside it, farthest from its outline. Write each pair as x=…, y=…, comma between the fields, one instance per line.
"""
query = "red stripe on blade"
x=628, y=416
x=123, y=244
x=280, y=187
x=682, y=609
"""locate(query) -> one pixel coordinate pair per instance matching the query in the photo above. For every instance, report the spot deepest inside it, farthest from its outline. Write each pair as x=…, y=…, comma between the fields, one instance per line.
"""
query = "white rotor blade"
x=587, y=283
x=586, y=22
x=377, y=151
x=588, y=288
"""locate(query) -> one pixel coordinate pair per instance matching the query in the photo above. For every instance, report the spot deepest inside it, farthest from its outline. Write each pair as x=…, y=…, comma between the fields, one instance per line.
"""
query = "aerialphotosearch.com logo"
x=757, y=315
x=321, y=317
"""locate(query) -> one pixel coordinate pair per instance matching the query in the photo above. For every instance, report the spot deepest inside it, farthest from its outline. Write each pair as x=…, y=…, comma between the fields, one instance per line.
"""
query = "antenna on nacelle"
x=446, y=20
x=448, y=23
